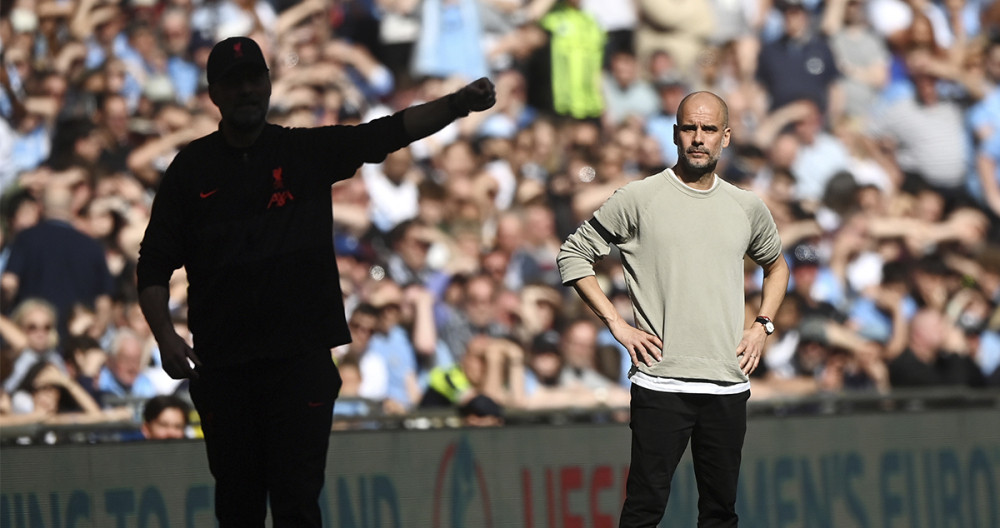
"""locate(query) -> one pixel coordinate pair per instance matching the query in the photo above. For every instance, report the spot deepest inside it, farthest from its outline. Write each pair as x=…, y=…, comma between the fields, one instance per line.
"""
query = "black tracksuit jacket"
x=254, y=229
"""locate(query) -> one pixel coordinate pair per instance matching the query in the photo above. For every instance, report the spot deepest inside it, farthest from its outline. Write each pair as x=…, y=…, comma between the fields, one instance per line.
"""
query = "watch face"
x=769, y=328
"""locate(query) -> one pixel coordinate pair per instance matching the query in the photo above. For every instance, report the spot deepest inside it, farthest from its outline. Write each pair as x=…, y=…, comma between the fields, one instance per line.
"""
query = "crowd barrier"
x=922, y=461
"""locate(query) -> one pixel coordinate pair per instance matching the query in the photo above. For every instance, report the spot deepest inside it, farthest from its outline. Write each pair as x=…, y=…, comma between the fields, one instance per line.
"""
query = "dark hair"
x=157, y=404
x=933, y=264
x=895, y=272
x=78, y=343
x=365, y=309
x=840, y=193
x=28, y=381
x=396, y=234
x=11, y=202
x=66, y=401
x=67, y=133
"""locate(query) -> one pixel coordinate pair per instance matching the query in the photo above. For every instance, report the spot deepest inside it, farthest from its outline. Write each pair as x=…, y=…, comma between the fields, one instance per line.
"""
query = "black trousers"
x=662, y=423
x=267, y=430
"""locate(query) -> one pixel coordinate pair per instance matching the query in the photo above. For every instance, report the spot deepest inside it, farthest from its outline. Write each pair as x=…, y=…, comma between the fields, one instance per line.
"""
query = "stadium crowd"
x=870, y=128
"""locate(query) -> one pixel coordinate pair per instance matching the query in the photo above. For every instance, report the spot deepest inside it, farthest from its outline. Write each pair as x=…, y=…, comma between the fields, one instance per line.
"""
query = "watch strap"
x=766, y=322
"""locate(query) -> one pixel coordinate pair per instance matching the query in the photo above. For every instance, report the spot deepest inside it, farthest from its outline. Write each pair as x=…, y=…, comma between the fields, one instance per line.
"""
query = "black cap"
x=481, y=406
x=784, y=5
x=546, y=342
x=232, y=53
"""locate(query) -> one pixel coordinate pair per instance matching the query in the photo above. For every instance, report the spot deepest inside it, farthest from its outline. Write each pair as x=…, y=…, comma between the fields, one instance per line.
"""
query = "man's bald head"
x=57, y=202
x=707, y=98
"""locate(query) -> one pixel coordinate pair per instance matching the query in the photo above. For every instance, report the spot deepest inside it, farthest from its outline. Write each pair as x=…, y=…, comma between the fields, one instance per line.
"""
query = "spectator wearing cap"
x=813, y=282
x=799, y=64
x=543, y=387
x=544, y=363
x=481, y=411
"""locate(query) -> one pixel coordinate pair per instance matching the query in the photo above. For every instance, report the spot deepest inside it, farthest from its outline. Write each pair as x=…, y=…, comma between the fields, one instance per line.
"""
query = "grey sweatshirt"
x=682, y=251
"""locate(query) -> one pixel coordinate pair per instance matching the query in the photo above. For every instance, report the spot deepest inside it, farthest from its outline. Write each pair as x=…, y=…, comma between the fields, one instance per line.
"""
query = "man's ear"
x=726, y=136
x=676, y=137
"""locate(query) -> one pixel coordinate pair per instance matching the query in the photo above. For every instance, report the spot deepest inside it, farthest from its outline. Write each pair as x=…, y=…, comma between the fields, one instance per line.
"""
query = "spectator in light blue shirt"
x=625, y=92
x=661, y=124
x=450, y=41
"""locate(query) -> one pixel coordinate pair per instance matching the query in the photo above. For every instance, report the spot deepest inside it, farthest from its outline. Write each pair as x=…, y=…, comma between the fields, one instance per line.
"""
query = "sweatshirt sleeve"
x=765, y=244
x=579, y=253
x=592, y=241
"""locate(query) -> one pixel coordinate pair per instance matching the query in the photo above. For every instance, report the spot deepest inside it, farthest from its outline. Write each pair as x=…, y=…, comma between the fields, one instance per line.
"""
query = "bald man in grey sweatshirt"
x=683, y=235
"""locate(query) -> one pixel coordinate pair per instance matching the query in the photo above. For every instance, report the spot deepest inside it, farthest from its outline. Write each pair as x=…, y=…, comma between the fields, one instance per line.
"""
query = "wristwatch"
x=765, y=321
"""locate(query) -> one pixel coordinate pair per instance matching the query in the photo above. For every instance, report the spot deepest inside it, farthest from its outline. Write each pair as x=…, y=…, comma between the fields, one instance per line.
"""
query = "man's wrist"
x=765, y=322
x=456, y=105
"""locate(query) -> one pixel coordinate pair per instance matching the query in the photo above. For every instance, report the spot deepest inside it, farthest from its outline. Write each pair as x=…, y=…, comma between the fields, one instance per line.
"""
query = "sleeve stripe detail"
x=603, y=231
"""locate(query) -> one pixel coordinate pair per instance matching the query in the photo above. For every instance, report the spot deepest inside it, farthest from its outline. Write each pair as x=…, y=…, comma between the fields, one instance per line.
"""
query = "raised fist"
x=476, y=96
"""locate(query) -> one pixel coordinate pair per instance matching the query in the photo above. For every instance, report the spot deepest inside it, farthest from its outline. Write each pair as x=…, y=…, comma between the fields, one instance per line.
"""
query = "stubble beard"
x=695, y=168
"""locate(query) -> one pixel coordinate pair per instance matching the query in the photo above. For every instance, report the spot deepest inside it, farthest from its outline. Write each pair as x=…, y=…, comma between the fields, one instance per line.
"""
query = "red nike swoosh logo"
x=314, y=404
x=209, y=193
